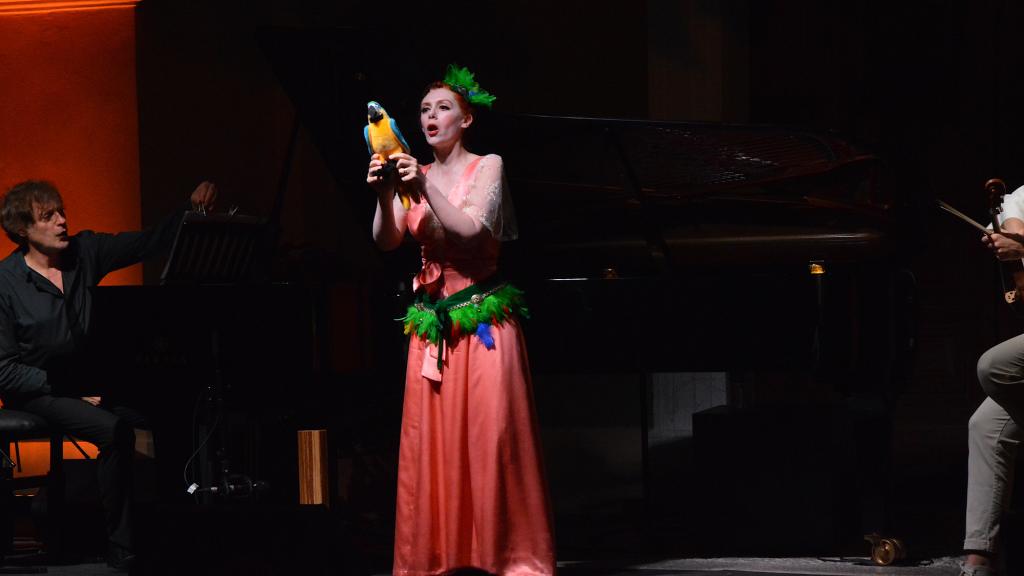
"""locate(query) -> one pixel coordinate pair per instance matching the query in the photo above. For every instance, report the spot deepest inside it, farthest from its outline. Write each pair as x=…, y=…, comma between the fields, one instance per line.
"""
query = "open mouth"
x=432, y=130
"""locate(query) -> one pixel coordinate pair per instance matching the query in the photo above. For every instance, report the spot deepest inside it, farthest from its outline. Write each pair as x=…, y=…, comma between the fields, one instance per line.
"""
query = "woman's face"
x=441, y=118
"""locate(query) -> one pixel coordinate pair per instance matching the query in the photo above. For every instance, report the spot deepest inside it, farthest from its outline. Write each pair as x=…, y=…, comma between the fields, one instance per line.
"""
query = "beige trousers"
x=993, y=439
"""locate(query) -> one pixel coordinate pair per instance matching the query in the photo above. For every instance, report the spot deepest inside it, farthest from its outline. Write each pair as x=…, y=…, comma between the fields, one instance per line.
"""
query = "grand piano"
x=690, y=246
x=763, y=254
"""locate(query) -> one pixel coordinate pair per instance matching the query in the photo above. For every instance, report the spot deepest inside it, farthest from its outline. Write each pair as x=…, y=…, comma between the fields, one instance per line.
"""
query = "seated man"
x=45, y=306
x=995, y=431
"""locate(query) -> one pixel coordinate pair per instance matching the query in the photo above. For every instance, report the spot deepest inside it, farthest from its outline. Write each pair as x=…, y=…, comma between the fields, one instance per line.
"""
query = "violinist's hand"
x=203, y=196
x=1006, y=246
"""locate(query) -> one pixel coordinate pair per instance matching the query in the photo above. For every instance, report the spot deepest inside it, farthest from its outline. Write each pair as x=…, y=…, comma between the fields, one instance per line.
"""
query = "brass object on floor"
x=886, y=551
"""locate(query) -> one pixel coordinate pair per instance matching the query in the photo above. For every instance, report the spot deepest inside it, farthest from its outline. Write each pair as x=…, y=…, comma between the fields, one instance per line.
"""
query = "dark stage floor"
x=266, y=540
x=684, y=566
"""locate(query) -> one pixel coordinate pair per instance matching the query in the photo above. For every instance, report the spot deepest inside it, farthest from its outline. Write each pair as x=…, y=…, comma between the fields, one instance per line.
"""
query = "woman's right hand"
x=377, y=181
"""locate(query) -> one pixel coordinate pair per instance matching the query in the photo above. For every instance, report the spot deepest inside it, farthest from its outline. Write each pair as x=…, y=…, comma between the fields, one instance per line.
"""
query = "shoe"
x=976, y=570
x=120, y=559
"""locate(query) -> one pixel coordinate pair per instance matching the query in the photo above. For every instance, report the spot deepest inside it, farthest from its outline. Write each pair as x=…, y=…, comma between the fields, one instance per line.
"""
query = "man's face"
x=49, y=233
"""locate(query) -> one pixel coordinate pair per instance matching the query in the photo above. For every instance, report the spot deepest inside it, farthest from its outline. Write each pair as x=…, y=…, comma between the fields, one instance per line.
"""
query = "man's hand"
x=94, y=400
x=203, y=197
x=1006, y=246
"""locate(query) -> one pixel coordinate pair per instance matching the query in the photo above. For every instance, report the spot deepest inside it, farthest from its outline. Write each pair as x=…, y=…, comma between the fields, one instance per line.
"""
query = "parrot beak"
x=374, y=112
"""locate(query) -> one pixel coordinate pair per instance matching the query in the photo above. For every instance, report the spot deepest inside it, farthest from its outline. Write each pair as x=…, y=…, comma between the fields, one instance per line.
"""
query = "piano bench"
x=17, y=426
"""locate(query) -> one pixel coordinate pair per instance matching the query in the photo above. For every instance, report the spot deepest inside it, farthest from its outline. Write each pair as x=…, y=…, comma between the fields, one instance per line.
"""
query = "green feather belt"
x=470, y=311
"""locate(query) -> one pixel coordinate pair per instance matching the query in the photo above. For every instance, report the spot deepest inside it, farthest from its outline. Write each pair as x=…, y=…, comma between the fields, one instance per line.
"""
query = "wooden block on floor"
x=313, y=476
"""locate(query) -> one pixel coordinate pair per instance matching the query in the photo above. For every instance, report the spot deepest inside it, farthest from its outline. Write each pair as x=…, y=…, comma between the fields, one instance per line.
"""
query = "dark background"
x=931, y=87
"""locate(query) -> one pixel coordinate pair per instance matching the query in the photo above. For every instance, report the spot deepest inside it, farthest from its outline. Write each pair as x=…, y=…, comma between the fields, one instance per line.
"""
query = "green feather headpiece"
x=461, y=80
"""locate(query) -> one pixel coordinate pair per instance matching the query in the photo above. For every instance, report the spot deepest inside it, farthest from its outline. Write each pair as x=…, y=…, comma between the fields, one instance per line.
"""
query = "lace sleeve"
x=488, y=199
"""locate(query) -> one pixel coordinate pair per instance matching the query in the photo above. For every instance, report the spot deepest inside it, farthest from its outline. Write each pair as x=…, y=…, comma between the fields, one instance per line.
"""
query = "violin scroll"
x=996, y=189
x=995, y=185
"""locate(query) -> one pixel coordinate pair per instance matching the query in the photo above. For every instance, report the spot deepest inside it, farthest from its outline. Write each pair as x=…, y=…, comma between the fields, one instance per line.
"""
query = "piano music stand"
x=216, y=249
x=220, y=249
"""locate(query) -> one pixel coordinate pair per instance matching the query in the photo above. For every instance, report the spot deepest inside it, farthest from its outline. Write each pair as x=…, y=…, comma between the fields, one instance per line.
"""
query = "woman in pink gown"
x=471, y=488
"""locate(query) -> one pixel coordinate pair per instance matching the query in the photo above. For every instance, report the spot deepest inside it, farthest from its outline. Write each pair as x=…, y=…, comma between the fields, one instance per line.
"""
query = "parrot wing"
x=398, y=134
x=366, y=136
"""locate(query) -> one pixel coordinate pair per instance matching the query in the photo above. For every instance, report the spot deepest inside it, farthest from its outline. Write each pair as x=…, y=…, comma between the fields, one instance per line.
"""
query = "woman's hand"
x=389, y=217
x=409, y=172
x=1006, y=246
x=94, y=400
x=203, y=196
x=375, y=178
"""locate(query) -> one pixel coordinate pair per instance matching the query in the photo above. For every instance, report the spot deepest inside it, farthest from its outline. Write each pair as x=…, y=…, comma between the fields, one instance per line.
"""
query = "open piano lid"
x=669, y=159
x=640, y=197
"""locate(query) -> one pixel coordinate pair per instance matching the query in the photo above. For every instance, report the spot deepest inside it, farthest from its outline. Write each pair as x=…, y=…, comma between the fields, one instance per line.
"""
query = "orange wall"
x=35, y=456
x=68, y=111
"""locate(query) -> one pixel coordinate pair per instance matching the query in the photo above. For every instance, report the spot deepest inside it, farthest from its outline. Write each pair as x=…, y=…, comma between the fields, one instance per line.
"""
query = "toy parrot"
x=383, y=137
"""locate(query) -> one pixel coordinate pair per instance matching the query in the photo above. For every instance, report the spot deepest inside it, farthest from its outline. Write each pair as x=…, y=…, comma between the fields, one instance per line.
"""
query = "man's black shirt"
x=40, y=327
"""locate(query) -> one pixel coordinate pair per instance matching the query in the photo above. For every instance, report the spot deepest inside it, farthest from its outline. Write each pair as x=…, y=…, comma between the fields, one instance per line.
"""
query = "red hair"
x=464, y=105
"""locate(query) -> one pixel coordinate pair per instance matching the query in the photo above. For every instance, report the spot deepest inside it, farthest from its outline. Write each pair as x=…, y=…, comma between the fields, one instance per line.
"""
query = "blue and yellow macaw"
x=383, y=137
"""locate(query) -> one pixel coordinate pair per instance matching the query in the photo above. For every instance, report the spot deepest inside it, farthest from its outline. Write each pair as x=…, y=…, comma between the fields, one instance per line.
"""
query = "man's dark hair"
x=19, y=208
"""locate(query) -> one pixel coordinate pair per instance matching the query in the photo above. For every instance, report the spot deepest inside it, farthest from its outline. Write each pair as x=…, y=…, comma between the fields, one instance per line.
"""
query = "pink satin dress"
x=471, y=488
